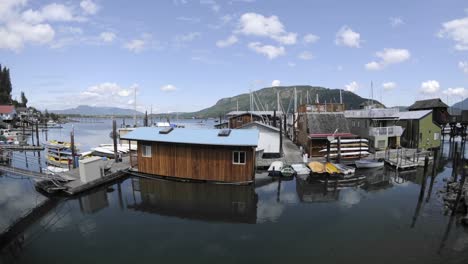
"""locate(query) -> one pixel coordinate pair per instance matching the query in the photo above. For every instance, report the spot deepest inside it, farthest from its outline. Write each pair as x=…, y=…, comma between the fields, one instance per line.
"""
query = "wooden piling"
x=72, y=141
x=37, y=133
x=460, y=189
x=338, y=157
x=423, y=183
x=328, y=150
x=114, y=138
x=281, y=138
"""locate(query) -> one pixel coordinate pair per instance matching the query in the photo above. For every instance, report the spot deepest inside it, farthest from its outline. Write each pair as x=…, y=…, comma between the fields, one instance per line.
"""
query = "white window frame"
x=237, y=153
x=144, y=150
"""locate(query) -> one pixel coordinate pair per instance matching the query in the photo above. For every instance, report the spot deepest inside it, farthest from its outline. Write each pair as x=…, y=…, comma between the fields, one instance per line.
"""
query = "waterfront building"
x=240, y=118
x=7, y=113
x=420, y=129
x=196, y=154
x=269, y=141
x=439, y=109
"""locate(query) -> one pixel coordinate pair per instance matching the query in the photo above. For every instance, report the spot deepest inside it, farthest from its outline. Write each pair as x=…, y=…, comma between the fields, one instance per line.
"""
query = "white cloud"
x=57, y=12
x=388, y=86
x=14, y=36
x=168, y=88
x=275, y=83
x=268, y=50
x=311, y=38
x=306, y=55
x=352, y=86
x=430, y=87
x=457, y=30
x=459, y=91
x=347, y=37
x=89, y=7
x=387, y=57
x=227, y=42
x=107, y=36
x=253, y=24
x=396, y=21
x=106, y=94
x=463, y=65
x=136, y=45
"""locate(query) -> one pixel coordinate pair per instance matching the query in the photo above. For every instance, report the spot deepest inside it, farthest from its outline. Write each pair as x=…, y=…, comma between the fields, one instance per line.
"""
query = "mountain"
x=86, y=110
x=462, y=105
x=267, y=98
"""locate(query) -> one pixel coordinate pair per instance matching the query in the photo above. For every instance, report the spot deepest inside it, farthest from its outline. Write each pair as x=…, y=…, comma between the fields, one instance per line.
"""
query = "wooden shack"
x=244, y=118
x=196, y=154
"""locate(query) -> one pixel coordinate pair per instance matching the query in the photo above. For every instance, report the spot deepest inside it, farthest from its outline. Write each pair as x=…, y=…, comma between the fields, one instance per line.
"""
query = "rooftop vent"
x=166, y=130
x=224, y=133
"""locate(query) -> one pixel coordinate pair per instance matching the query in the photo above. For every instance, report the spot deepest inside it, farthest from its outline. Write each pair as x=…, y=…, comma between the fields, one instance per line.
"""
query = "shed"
x=420, y=130
x=196, y=154
x=269, y=139
x=440, y=114
x=7, y=112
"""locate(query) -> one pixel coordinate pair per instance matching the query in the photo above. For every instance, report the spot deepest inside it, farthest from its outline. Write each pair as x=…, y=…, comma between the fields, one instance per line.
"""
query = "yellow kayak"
x=317, y=167
x=331, y=169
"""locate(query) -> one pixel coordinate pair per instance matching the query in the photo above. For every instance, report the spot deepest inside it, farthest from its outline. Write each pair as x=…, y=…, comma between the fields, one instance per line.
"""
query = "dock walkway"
x=21, y=148
x=291, y=154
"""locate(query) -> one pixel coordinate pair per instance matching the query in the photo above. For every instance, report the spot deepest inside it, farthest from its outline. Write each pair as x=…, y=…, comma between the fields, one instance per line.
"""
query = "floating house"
x=420, y=129
x=240, y=118
x=269, y=141
x=7, y=113
x=378, y=125
x=439, y=109
x=196, y=154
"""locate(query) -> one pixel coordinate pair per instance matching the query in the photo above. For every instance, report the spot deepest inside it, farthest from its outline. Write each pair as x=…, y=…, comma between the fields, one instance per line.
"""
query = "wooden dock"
x=21, y=148
x=291, y=154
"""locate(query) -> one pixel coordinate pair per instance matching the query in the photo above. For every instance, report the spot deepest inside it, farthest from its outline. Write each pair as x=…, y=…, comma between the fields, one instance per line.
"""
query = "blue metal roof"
x=237, y=137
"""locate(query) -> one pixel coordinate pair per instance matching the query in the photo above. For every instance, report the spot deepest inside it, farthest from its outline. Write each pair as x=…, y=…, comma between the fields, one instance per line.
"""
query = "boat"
x=346, y=170
x=287, y=171
x=331, y=169
x=302, y=171
x=362, y=140
x=103, y=152
x=317, y=167
x=345, y=149
x=275, y=168
x=58, y=153
x=344, y=154
x=367, y=164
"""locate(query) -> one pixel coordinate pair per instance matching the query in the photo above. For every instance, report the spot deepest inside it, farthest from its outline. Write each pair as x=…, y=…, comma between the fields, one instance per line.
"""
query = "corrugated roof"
x=412, y=114
x=238, y=137
x=327, y=123
x=260, y=124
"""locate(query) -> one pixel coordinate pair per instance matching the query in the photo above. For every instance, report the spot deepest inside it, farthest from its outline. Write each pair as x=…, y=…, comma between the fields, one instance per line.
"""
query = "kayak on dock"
x=367, y=164
x=275, y=168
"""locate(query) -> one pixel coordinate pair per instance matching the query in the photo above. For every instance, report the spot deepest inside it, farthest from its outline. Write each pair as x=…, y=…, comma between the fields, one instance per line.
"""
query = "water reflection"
x=209, y=202
x=93, y=202
x=315, y=192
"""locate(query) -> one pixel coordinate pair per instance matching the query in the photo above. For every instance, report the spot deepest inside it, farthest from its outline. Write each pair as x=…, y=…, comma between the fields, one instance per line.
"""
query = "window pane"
x=242, y=157
x=235, y=157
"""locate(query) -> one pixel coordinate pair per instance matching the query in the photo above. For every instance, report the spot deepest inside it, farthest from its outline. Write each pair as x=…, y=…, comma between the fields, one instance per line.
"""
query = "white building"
x=269, y=139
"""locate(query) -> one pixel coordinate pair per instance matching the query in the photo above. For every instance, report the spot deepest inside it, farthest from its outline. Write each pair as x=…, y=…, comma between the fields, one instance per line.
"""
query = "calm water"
x=141, y=220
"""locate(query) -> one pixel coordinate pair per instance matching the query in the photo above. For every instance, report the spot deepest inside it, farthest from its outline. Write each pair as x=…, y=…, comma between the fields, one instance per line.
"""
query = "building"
x=196, y=154
x=7, y=113
x=269, y=140
x=313, y=128
x=440, y=113
x=420, y=129
x=240, y=118
x=376, y=125
x=332, y=107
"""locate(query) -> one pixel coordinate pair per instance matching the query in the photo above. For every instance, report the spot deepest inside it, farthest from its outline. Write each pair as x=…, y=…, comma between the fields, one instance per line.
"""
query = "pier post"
x=328, y=150
x=281, y=138
x=114, y=138
x=274, y=118
x=460, y=189
x=423, y=183
x=338, y=157
x=434, y=167
x=72, y=141
x=37, y=133
x=454, y=162
x=32, y=134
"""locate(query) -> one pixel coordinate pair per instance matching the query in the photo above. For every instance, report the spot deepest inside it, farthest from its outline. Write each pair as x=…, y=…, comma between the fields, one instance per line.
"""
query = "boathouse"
x=196, y=154
x=420, y=129
x=440, y=114
x=240, y=118
x=7, y=113
x=269, y=141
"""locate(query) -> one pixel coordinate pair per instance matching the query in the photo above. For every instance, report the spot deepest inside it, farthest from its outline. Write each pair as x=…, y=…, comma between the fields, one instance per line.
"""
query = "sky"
x=183, y=55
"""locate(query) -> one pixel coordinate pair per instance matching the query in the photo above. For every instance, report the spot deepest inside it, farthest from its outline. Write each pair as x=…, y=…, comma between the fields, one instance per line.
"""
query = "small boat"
x=367, y=164
x=275, y=168
x=345, y=149
x=355, y=153
x=346, y=170
x=331, y=169
x=317, y=167
x=301, y=170
x=287, y=171
x=363, y=140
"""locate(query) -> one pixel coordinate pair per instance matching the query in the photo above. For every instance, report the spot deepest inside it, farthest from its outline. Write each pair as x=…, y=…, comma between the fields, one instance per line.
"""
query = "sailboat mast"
x=295, y=100
x=341, y=98
x=134, y=107
x=277, y=101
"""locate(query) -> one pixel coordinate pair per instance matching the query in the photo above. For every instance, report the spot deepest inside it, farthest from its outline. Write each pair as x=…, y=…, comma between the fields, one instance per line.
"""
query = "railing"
x=371, y=113
x=391, y=131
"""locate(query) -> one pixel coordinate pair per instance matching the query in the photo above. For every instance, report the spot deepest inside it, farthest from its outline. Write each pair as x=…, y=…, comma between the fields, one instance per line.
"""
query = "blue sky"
x=184, y=55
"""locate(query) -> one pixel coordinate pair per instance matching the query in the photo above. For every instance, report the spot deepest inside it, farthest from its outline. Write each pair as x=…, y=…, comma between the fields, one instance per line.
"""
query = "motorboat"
x=317, y=167
x=302, y=171
x=331, y=169
x=287, y=171
x=368, y=164
x=346, y=170
x=275, y=168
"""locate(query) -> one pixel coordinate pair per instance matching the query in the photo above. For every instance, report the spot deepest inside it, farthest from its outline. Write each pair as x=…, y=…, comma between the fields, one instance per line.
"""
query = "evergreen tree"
x=24, y=100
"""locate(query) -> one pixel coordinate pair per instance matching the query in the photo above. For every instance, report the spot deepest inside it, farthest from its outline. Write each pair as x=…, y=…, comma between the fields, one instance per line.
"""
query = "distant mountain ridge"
x=268, y=100
x=87, y=110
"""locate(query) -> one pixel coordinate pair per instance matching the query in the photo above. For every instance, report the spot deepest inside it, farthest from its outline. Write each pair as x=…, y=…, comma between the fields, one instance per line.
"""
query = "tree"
x=5, y=86
x=24, y=100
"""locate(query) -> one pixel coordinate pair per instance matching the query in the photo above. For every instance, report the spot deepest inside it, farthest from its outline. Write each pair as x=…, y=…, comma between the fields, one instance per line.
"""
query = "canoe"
x=317, y=167
x=345, y=169
x=350, y=145
x=275, y=168
x=331, y=169
x=363, y=140
x=367, y=164
x=354, y=153
x=345, y=149
x=288, y=171
x=301, y=169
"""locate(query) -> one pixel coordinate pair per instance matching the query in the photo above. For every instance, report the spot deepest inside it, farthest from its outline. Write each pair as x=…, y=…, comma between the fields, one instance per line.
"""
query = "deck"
x=291, y=154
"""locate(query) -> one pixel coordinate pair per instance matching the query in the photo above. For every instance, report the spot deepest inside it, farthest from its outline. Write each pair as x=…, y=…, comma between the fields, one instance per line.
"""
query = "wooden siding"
x=197, y=162
x=238, y=121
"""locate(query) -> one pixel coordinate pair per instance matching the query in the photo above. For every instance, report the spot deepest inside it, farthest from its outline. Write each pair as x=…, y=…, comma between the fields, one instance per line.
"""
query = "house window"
x=239, y=119
x=436, y=136
x=238, y=157
x=146, y=151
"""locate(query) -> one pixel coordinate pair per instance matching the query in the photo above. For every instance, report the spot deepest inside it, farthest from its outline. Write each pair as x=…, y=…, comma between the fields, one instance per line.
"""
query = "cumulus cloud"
x=310, y=38
x=268, y=50
x=168, y=88
x=463, y=65
x=347, y=37
x=227, y=42
x=388, y=56
x=388, y=86
x=352, y=86
x=107, y=36
x=107, y=93
x=459, y=91
x=181, y=39
x=306, y=55
x=456, y=30
x=275, y=83
x=89, y=7
x=430, y=87
x=135, y=45
x=253, y=24
x=396, y=21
